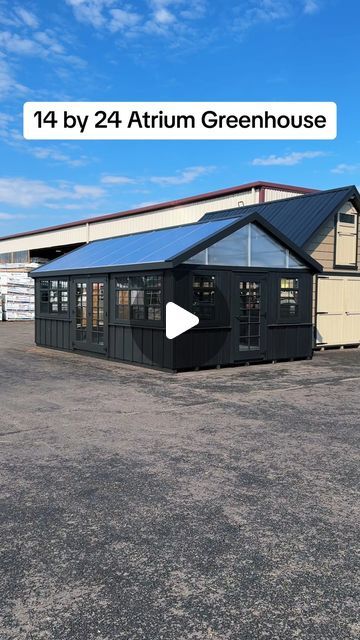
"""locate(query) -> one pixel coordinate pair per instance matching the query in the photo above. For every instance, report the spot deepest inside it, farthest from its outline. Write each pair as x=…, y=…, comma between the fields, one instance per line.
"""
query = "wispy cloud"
x=253, y=13
x=8, y=84
x=118, y=180
x=28, y=18
x=52, y=153
x=25, y=37
x=182, y=177
x=23, y=192
x=346, y=168
x=11, y=216
x=311, y=6
x=156, y=17
x=10, y=135
x=288, y=160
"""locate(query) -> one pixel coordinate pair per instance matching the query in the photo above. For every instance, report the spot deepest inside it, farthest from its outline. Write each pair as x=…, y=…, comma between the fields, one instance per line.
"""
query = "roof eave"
x=89, y=271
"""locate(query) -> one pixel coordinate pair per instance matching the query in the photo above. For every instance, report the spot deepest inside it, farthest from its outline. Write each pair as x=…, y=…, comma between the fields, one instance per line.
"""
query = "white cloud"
x=5, y=120
x=8, y=84
x=158, y=17
x=90, y=11
x=10, y=216
x=311, y=6
x=288, y=160
x=23, y=192
x=13, y=43
x=51, y=153
x=121, y=19
x=182, y=177
x=11, y=136
x=23, y=37
x=253, y=13
x=163, y=16
x=345, y=168
x=28, y=18
x=118, y=180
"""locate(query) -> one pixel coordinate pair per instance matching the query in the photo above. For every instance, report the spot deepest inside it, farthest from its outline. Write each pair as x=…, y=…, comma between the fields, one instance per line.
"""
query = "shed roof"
x=159, y=248
x=297, y=218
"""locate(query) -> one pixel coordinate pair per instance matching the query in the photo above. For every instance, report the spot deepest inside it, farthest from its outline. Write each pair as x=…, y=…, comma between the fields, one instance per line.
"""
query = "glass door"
x=249, y=317
x=90, y=314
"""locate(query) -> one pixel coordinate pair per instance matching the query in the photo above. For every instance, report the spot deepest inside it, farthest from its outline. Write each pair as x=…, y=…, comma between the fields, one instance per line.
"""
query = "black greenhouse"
x=250, y=287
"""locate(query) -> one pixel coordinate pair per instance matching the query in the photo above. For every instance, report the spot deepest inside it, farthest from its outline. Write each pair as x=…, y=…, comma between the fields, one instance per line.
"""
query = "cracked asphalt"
x=211, y=505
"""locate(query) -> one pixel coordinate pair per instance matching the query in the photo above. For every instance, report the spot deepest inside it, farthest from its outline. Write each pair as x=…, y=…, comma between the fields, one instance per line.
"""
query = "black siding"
x=209, y=344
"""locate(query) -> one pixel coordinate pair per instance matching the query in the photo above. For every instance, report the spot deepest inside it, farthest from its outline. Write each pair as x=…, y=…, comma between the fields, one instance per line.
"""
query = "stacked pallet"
x=17, y=294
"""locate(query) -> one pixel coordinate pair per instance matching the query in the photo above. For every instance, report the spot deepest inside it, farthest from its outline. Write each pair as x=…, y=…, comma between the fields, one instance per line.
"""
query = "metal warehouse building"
x=49, y=243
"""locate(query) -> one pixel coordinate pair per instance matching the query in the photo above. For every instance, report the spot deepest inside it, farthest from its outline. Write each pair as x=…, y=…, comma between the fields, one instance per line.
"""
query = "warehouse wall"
x=277, y=194
x=70, y=236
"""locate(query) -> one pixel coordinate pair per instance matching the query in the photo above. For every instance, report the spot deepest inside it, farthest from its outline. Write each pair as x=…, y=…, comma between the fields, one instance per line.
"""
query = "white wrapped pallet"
x=17, y=292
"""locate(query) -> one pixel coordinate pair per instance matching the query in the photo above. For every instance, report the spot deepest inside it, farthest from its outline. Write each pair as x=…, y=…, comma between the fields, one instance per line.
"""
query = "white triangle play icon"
x=178, y=320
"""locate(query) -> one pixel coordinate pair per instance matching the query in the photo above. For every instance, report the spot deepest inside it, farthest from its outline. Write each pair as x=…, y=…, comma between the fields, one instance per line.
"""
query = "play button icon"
x=178, y=320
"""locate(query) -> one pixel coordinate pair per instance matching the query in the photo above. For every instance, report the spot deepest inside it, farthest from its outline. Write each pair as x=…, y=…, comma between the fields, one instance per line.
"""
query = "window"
x=54, y=296
x=348, y=218
x=138, y=297
x=289, y=298
x=249, y=246
x=15, y=257
x=204, y=297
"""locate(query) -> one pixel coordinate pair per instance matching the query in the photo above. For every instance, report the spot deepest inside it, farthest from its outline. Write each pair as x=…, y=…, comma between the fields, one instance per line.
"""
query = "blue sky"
x=201, y=50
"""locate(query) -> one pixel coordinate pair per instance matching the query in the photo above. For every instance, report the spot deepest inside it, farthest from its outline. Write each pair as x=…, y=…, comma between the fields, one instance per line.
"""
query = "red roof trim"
x=211, y=195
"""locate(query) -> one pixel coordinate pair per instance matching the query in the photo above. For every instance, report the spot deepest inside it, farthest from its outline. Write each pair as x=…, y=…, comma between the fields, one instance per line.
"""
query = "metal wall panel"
x=277, y=194
x=61, y=237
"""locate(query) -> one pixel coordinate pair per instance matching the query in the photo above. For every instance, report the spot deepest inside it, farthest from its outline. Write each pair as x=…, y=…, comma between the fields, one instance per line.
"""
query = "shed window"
x=138, y=297
x=54, y=297
x=289, y=298
x=204, y=297
x=348, y=218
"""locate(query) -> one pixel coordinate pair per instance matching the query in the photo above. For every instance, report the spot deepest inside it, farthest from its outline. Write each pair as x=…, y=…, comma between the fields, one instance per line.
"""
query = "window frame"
x=203, y=275
x=298, y=317
x=141, y=288
x=49, y=313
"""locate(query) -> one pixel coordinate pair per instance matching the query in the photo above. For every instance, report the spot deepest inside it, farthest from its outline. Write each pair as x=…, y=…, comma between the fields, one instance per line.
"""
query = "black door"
x=89, y=314
x=249, y=317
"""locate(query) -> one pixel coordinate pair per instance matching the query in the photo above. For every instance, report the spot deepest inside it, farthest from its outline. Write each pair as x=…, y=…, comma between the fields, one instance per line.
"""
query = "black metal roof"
x=298, y=218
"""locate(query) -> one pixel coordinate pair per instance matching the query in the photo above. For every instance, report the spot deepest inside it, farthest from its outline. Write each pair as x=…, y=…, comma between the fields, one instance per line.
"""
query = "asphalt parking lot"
x=140, y=505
